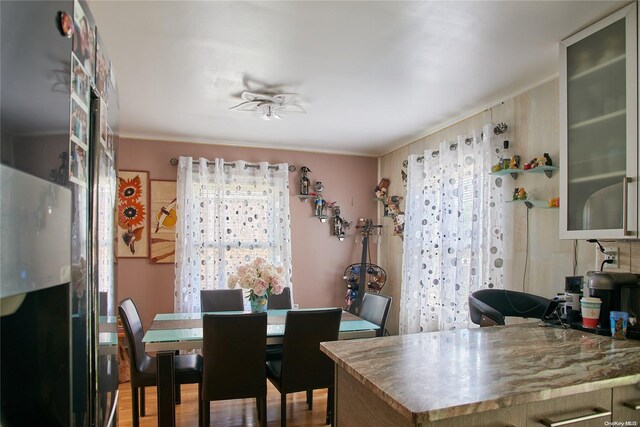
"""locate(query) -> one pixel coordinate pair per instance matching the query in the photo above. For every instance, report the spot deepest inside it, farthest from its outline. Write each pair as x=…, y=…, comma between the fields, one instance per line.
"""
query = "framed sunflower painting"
x=133, y=214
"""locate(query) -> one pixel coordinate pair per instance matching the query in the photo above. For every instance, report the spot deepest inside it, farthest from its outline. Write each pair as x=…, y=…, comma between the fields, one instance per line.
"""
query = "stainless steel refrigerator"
x=58, y=142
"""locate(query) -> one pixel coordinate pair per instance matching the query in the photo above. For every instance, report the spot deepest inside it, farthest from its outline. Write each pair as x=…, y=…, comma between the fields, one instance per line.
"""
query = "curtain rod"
x=174, y=162
x=452, y=147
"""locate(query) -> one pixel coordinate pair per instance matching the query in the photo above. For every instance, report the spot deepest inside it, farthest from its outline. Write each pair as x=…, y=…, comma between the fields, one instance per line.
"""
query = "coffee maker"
x=618, y=292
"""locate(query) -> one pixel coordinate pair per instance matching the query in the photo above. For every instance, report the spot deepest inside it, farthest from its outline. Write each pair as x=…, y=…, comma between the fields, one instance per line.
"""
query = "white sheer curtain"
x=227, y=217
x=453, y=233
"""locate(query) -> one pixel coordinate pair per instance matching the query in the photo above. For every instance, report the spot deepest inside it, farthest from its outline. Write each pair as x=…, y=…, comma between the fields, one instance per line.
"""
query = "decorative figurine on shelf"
x=515, y=162
x=403, y=172
x=521, y=194
x=549, y=162
x=304, y=181
x=382, y=188
x=320, y=202
x=339, y=224
x=392, y=210
x=554, y=202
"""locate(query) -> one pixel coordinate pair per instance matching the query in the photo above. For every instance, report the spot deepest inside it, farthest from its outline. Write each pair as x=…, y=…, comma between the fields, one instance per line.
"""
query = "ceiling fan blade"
x=246, y=106
x=285, y=98
x=250, y=96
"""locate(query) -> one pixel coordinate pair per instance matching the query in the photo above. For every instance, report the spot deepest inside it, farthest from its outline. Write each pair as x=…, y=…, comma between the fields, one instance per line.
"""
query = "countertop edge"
x=399, y=407
x=482, y=406
x=520, y=399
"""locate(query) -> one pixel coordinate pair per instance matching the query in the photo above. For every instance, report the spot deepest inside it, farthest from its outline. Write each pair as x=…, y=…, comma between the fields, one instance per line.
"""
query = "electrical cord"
x=597, y=243
x=575, y=256
x=606, y=261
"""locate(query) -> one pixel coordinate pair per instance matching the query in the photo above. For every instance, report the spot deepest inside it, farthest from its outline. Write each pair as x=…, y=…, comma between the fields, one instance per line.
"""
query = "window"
x=232, y=215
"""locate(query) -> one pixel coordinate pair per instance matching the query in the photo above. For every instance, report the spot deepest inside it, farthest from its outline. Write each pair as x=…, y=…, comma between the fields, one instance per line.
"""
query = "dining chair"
x=280, y=302
x=221, y=300
x=489, y=307
x=303, y=366
x=143, y=368
x=234, y=360
x=375, y=309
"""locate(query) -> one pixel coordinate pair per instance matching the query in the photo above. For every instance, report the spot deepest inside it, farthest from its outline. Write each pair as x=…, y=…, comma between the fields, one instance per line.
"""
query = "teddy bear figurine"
x=382, y=188
x=522, y=194
x=515, y=162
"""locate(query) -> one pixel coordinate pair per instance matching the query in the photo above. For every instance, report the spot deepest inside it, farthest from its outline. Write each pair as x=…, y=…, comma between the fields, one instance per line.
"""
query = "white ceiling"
x=372, y=75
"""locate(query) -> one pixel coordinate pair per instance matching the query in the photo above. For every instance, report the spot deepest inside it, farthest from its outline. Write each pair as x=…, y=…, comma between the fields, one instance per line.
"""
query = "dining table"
x=170, y=332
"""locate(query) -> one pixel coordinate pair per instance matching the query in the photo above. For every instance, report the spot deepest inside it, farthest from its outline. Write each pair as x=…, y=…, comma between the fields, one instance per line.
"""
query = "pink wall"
x=319, y=259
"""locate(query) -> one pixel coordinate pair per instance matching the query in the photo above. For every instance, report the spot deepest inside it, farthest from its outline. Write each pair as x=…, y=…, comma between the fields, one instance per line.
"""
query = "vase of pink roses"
x=261, y=280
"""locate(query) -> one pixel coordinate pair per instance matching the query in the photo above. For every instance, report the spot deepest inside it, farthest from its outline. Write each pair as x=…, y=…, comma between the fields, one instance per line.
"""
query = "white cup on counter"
x=590, y=311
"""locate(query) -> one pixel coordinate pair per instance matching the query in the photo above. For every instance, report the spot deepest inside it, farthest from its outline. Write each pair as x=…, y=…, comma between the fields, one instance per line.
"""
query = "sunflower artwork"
x=132, y=214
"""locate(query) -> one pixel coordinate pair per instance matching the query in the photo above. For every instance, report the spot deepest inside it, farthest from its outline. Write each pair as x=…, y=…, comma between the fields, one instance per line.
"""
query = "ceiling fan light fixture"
x=269, y=111
x=269, y=106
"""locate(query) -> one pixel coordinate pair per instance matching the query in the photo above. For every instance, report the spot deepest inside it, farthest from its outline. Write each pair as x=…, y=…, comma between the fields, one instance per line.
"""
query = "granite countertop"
x=432, y=376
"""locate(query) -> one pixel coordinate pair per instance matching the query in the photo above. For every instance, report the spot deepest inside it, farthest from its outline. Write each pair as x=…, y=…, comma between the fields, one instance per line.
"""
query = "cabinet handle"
x=635, y=405
x=598, y=413
x=625, y=203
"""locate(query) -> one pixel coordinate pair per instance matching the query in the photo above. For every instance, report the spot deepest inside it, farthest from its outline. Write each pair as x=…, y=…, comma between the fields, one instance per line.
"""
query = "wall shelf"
x=303, y=197
x=513, y=172
x=547, y=170
x=531, y=203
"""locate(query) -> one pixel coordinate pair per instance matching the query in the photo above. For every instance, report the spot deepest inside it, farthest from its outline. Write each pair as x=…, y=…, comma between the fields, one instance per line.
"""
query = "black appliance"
x=58, y=139
x=618, y=292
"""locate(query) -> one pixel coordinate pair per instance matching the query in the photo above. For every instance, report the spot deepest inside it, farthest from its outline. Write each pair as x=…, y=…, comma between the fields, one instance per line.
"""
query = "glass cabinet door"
x=598, y=86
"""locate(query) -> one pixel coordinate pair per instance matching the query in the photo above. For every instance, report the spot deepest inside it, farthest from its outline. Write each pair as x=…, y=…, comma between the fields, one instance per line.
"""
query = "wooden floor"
x=228, y=413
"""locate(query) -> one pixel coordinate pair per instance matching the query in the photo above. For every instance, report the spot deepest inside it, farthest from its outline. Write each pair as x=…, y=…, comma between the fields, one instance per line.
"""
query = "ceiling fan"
x=269, y=106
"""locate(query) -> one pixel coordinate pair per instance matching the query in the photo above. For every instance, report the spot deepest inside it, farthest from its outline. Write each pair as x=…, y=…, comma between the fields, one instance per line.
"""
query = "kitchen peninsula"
x=515, y=375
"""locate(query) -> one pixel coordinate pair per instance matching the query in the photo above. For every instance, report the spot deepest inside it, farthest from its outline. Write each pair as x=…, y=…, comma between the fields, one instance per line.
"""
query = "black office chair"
x=489, y=307
x=280, y=302
x=221, y=300
x=234, y=360
x=303, y=366
x=375, y=309
x=142, y=367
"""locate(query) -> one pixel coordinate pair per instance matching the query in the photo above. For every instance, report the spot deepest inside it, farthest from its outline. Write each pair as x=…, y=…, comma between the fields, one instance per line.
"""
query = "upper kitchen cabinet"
x=598, y=130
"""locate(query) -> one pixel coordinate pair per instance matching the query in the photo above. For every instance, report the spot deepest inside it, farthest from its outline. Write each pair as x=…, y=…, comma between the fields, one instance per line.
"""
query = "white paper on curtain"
x=228, y=217
x=453, y=243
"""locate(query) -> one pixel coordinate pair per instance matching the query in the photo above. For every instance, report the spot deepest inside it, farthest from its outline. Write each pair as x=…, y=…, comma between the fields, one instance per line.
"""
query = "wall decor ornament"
x=133, y=202
x=391, y=206
x=164, y=217
x=339, y=224
x=304, y=181
x=319, y=202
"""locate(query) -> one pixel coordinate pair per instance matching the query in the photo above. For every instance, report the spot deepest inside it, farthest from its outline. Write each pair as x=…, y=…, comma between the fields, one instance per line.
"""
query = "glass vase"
x=259, y=304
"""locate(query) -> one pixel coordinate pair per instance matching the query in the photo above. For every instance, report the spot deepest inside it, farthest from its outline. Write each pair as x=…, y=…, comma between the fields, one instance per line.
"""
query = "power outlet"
x=612, y=253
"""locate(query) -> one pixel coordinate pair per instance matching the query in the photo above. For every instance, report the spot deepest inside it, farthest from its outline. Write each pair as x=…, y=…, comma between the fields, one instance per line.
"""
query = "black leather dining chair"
x=375, y=309
x=281, y=301
x=221, y=300
x=278, y=302
x=234, y=360
x=303, y=366
x=143, y=368
x=489, y=307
